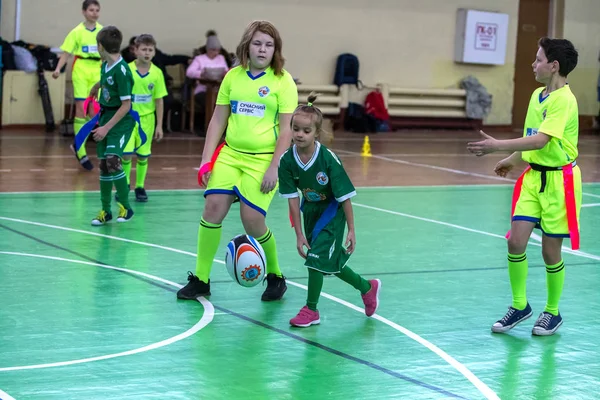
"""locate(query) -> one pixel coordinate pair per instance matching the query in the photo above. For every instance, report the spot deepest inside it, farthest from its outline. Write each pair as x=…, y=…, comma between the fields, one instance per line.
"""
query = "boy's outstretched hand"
x=483, y=147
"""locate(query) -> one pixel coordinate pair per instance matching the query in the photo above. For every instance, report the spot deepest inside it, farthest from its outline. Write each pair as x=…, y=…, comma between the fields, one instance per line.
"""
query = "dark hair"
x=315, y=113
x=145, y=39
x=560, y=50
x=110, y=37
x=243, y=49
x=87, y=3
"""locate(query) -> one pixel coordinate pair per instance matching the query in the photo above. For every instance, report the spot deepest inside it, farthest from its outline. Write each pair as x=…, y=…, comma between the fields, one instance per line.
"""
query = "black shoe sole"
x=183, y=297
x=265, y=298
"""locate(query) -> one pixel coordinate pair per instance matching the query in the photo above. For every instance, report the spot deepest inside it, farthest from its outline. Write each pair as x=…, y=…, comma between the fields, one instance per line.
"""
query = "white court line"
x=591, y=205
x=5, y=396
x=464, y=228
x=207, y=317
x=482, y=387
x=412, y=164
x=454, y=171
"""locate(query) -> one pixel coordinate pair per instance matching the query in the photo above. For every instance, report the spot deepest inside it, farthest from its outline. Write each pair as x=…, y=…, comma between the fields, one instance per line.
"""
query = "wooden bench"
x=441, y=108
x=332, y=100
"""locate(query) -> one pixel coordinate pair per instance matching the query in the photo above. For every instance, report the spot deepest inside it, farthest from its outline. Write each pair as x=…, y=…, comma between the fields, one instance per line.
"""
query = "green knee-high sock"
x=267, y=241
x=354, y=279
x=517, y=272
x=315, y=284
x=555, y=279
x=77, y=124
x=106, y=185
x=122, y=187
x=141, y=169
x=209, y=237
x=127, y=169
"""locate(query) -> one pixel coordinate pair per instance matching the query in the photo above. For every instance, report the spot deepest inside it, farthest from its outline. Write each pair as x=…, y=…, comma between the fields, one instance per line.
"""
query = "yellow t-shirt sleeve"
x=288, y=95
x=160, y=90
x=225, y=89
x=557, y=115
x=70, y=44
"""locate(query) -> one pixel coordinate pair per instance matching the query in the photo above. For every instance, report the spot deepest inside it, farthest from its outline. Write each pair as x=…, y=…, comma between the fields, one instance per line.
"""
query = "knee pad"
x=103, y=167
x=113, y=164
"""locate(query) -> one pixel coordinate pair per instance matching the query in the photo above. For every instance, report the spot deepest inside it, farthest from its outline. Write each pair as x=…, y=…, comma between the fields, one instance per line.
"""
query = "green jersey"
x=324, y=184
x=116, y=84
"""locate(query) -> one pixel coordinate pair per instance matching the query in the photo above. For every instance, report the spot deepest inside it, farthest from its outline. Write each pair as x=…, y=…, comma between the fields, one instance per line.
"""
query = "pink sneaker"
x=305, y=318
x=371, y=298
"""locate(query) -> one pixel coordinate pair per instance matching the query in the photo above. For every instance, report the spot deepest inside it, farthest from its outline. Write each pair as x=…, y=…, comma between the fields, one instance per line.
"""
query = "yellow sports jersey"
x=147, y=88
x=256, y=102
x=556, y=115
x=82, y=42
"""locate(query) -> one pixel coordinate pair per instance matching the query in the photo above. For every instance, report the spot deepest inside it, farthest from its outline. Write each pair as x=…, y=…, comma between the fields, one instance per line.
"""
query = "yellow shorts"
x=148, y=122
x=86, y=73
x=241, y=174
x=547, y=209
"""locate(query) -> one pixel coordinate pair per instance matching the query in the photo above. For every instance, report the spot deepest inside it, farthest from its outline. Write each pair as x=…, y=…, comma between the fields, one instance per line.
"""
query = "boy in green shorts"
x=548, y=194
x=115, y=124
x=148, y=92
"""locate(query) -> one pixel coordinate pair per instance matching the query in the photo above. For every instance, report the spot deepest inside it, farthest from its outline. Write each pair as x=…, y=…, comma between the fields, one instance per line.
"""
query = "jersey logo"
x=322, y=178
x=110, y=80
x=264, y=91
x=90, y=48
x=106, y=94
x=544, y=115
x=123, y=70
x=151, y=86
x=531, y=132
x=142, y=98
x=313, y=196
x=248, y=109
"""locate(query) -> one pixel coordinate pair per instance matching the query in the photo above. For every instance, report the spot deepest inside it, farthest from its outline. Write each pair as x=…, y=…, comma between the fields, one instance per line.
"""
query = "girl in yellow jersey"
x=548, y=194
x=81, y=42
x=256, y=101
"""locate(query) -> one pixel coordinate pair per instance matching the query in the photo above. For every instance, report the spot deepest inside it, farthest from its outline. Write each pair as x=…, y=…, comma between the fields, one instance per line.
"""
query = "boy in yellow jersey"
x=255, y=102
x=148, y=92
x=548, y=194
x=81, y=42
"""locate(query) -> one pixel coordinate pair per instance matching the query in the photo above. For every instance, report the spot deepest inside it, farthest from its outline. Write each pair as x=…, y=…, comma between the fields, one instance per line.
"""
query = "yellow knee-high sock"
x=209, y=237
x=267, y=241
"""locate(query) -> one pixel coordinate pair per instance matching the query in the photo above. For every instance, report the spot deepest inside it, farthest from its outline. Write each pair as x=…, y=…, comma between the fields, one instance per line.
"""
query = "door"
x=534, y=16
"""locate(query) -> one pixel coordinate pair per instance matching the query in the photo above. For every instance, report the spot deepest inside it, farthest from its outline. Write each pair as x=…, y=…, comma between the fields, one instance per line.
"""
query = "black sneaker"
x=140, y=195
x=125, y=214
x=276, y=287
x=194, y=288
x=547, y=324
x=511, y=319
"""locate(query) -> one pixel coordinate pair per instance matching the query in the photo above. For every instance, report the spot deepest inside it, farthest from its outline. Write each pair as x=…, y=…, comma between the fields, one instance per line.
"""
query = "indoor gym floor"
x=91, y=313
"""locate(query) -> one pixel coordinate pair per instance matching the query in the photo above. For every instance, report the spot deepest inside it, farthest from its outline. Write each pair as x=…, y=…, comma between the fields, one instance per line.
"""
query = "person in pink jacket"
x=210, y=66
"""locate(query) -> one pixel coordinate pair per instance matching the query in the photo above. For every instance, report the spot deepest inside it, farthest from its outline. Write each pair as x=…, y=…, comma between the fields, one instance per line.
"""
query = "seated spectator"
x=210, y=66
x=229, y=57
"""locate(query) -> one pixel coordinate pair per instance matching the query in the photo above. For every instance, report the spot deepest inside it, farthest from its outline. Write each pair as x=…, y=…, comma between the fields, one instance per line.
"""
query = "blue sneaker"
x=511, y=319
x=547, y=324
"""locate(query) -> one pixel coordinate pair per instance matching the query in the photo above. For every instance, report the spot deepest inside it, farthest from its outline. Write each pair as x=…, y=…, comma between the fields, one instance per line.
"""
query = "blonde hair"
x=243, y=49
x=315, y=113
